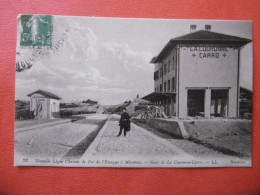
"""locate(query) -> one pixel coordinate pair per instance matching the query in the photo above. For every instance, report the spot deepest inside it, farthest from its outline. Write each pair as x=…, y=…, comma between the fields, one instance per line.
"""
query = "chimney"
x=207, y=27
x=193, y=28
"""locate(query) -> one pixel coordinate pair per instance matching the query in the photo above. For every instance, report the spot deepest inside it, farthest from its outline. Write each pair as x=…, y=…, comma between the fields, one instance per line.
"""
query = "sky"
x=107, y=59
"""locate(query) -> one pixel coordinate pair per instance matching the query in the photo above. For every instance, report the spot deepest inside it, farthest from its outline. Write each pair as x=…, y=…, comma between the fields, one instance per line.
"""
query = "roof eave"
x=42, y=92
x=172, y=43
x=167, y=48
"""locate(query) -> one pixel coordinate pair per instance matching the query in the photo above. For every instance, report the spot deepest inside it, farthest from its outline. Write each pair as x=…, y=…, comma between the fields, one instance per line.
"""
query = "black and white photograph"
x=133, y=92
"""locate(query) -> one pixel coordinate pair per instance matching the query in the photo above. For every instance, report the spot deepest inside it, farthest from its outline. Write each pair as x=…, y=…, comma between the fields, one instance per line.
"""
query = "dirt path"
x=137, y=143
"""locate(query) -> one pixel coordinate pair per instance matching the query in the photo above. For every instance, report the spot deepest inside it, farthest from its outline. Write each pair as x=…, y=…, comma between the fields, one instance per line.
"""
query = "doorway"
x=219, y=103
x=196, y=102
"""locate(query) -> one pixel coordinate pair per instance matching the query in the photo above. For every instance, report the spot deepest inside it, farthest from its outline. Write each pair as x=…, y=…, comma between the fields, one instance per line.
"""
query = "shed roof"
x=201, y=36
x=155, y=96
x=246, y=89
x=142, y=101
x=46, y=94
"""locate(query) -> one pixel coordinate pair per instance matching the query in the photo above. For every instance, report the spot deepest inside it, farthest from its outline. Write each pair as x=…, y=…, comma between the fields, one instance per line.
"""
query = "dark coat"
x=125, y=121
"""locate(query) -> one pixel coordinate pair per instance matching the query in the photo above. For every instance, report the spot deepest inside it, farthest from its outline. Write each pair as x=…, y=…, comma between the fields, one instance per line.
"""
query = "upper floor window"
x=173, y=62
x=165, y=86
x=165, y=69
x=156, y=75
x=161, y=72
x=169, y=85
x=169, y=65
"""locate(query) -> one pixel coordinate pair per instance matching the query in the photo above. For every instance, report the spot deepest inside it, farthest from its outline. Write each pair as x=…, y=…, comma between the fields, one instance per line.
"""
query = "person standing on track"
x=124, y=123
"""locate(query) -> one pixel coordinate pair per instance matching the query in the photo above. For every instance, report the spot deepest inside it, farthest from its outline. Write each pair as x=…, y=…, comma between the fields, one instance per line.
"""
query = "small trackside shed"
x=45, y=105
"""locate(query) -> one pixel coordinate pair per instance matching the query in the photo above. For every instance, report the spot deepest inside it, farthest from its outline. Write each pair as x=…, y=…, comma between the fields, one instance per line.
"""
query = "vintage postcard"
x=122, y=92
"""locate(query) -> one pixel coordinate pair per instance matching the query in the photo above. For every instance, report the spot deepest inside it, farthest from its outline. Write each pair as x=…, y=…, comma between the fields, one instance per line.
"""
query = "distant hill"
x=133, y=108
x=68, y=105
x=89, y=101
x=84, y=107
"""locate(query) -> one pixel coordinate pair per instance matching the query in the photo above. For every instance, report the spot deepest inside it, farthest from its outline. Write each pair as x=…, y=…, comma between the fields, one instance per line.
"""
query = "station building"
x=197, y=74
x=44, y=105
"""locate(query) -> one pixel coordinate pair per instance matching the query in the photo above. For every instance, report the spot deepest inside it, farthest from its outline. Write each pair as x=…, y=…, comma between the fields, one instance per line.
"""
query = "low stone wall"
x=167, y=126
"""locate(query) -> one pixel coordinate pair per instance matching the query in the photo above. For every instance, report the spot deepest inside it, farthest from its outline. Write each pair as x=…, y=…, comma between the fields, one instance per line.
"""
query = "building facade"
x=197, y=74
x=44, y=105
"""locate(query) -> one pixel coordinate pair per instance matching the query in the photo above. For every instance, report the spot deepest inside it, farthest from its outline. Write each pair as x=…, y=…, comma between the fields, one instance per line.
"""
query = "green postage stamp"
x=36, y=30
